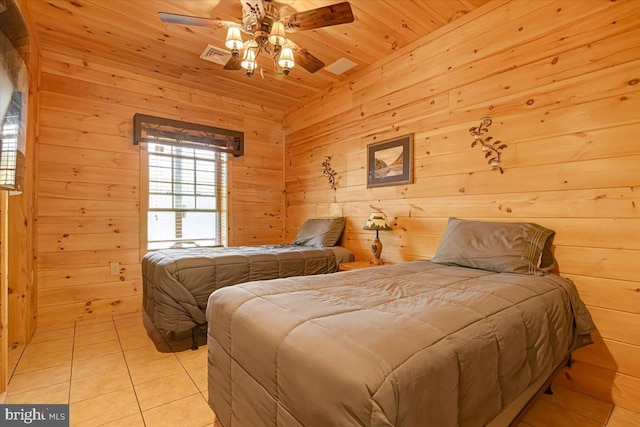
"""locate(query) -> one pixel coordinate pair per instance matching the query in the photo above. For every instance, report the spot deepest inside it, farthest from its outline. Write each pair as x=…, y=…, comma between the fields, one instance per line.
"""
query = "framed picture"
x=390, y=162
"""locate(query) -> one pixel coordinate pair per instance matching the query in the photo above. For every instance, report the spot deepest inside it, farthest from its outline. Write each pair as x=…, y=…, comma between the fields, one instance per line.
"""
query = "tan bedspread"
x=177, y=282
x=415, y=344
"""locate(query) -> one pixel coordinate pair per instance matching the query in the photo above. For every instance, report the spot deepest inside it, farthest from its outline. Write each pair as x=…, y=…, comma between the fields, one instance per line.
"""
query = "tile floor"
x=122, y=371
x=118, y=372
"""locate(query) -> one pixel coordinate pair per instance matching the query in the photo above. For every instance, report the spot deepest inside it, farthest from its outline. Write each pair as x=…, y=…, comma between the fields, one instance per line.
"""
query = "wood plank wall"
x=560, y=80
x=88, y=174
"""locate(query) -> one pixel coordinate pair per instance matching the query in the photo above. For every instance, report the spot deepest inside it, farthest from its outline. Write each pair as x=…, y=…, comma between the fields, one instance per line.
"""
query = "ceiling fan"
x=266, y=28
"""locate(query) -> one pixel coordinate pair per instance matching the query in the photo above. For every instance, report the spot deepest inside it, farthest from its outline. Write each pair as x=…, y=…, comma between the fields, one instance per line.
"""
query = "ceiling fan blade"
x=326, y=16
x=232, y=64
x=173, y=18
x=304, y=59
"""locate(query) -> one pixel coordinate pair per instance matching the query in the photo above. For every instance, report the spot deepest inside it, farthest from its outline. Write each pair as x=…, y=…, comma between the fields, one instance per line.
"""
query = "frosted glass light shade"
x=277, y=36
x=249, y=59
x=286, y=58
x=234, y=39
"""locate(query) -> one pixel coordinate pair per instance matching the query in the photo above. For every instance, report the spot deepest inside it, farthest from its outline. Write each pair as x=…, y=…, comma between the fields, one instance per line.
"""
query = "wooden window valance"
x=185, y=134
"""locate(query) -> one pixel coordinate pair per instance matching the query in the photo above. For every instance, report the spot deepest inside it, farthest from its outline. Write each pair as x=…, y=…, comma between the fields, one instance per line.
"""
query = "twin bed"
x=178, y=282
x=464, y=339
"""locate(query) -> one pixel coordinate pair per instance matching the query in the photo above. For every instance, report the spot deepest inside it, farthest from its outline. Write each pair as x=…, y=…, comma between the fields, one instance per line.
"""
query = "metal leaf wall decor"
x=328, y=171
x=491, y=148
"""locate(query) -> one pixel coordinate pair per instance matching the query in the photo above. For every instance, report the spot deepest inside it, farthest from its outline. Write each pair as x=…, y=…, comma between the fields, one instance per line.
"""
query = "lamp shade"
x=277, y=36
x=249, y=59
x=286, y=58
x=234, y=39
x=377, y=221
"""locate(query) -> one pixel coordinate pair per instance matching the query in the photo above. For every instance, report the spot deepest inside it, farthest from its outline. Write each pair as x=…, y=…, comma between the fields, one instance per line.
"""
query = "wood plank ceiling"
x=130, y=34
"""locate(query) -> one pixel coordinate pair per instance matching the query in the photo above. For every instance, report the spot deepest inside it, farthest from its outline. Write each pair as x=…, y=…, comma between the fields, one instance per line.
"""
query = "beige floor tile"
x=133, y=328
x=95, y=338
x=621, y=417
x=134, y=315
x=38, y=379
x=147, y=354
x=129, y=341
x=98, y=365
x=54, y=394
x=136, y=319
x=102, y=319
x=580, y=403
x=15, y=354
x=43, y=327
x=96, y=350
x=165, y=390
x=51, y=335
x=191, y=359
x=97, y=385
x=545, y=414
x=93, y=328
x=36, y=361
x=199, y=376
x=136, y=330
x=190, y=411
x=155, y=369
x=49, y=346
x=104, y=409
x=130, y=421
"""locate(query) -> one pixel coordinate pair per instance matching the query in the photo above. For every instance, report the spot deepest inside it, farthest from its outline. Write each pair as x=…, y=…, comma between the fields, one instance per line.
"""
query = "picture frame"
x=390, y=162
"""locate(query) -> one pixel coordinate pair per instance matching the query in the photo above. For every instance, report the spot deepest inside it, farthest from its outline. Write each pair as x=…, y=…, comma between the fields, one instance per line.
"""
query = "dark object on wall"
x=328, y=171
x=390, y=162
x=492, y=149
x=185, y=134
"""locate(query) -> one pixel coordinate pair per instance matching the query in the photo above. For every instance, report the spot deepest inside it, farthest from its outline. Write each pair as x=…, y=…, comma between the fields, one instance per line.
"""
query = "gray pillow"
x=320, y=232
x=505, y=247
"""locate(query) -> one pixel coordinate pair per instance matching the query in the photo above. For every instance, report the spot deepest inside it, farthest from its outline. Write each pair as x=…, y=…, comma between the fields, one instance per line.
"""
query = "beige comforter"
x=415, y=344
x=177, y=282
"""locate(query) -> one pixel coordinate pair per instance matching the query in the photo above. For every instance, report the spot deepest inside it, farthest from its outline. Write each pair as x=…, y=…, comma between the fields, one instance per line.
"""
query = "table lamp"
x=377, y=221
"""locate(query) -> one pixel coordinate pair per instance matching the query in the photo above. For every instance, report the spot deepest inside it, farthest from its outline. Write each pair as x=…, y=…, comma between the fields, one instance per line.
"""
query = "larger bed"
x=413, y=345
x=177, y=282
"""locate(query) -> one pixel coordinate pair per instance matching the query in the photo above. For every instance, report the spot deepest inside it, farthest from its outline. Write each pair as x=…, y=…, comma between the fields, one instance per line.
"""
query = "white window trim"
x=144, y=202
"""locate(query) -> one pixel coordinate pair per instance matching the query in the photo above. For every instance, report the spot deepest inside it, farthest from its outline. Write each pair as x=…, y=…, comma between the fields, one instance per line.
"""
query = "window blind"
x=187, y=196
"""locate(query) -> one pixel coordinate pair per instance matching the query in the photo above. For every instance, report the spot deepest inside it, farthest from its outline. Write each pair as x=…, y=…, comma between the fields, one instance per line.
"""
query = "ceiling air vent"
x=341, y=66
x=215, y=55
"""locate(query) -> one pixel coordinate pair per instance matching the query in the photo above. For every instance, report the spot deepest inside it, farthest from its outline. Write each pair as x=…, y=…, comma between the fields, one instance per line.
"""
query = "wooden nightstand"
x=348, y=266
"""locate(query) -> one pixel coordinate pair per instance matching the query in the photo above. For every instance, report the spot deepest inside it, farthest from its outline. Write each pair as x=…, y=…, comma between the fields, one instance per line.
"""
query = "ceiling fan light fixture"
x=277, y=36
x=234, y=39
x=267, y=28
x=286, y=60
x=249, y=59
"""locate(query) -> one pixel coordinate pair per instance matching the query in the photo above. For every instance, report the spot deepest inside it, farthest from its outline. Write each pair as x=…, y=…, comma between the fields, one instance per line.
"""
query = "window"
x=187, y=196
x=9, y=132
